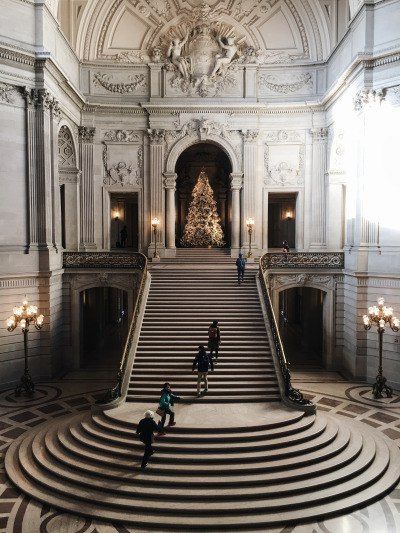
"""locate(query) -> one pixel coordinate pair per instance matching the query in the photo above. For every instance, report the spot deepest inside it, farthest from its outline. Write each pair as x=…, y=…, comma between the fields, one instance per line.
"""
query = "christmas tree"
x=202, y=227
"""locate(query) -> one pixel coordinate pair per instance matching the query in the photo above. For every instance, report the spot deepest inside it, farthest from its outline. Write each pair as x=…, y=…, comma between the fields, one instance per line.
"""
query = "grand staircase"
x=179, y=309
x=238, y=459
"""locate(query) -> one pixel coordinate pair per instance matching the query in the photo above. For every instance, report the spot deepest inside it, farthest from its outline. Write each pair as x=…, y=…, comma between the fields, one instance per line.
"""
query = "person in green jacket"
x=167, y=400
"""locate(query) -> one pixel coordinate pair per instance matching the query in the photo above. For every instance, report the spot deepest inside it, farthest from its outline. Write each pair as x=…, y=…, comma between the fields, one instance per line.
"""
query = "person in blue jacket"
x=167, y=400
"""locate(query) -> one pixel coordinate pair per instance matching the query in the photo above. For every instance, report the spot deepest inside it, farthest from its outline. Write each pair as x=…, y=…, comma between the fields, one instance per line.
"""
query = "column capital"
x=250, y=136
x=319, y=134
x=86, y=134
x=236, y=180
x=170, y=180
x=368, y=97
x=156, y=136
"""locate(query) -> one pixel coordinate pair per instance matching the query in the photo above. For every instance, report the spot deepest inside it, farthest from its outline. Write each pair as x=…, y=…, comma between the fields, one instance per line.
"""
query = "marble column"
x=157, y=138
x=236, y=185
x=251, y=204
x=86, y=136
x=56, y=203
x=40, y=178
x=170, y=215
x=318, y=192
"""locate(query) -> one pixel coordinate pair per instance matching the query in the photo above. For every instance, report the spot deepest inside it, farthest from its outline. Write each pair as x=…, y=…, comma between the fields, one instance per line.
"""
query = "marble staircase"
x=238, y=458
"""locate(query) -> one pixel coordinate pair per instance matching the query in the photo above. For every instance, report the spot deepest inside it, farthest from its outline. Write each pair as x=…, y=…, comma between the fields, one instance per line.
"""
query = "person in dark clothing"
x=123, y=236
x=167, y=400
x=144, y=431
x=203, y=361
x=285, y=247
x=214, y=338
x=240, y=265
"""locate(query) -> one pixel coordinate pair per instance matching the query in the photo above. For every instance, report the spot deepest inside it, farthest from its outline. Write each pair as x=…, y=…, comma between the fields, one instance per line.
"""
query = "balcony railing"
x=299, y=260
x=129, y=260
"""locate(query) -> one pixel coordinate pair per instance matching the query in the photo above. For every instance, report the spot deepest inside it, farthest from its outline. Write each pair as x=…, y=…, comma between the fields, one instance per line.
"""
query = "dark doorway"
x=281, y=220
x=218, y=168
x=124, y=232
x=301, y=325
x=104, y=327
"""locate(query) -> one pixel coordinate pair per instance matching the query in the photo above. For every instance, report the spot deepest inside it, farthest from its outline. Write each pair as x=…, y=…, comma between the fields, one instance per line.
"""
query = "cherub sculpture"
x=174, y=53
x=223, y=61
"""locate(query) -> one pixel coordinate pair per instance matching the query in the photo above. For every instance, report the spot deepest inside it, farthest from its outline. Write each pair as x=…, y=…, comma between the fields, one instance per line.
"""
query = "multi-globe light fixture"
x=382, y=316
x=25, y=316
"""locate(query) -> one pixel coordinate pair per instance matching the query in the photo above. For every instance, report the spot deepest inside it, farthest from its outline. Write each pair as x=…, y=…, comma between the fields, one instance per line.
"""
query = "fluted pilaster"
x=318, y=194
x=86, y=136
x=249, y=197
x=157, y=139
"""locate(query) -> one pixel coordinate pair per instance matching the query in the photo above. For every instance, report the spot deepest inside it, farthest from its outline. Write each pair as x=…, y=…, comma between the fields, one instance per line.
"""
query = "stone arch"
x=328, y=316
x=180, y=146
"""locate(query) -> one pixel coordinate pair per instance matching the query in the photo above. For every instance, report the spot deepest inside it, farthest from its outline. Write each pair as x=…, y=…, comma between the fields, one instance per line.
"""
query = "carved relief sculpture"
x=138, y=81
x=300, y=81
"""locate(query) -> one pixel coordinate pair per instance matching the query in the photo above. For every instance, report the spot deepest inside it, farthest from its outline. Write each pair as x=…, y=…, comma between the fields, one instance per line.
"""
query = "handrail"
x=116, y=392
x=292, y=396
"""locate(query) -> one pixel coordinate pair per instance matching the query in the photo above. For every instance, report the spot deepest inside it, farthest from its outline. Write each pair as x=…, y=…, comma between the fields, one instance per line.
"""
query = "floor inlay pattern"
x=20, y=514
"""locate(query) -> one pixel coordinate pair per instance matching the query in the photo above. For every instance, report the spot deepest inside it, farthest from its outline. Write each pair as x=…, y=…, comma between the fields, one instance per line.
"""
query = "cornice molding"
x=22, y=58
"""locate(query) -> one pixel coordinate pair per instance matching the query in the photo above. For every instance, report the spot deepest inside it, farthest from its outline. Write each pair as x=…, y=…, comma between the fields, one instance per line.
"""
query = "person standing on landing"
x=214, y=338
x=240, y=265
x=166, y=406
x=144, y=431
x=203, y=361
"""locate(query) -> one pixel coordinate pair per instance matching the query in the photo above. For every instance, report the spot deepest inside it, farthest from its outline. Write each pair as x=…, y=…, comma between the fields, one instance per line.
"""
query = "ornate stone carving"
x=86, y=134
x=69, y=175
x=156, y=136
x=301, y=280
x=170, y=180
x=283, y=173
x=307, y=260
x=300, y=81
x=132, y=56
x=367, y=97
x=7, y=93
x=319, y=134
x=66, y=149
x=337, y=151
x=236, y=180
x=121, y=174
x=124, y=136
x=283, y=136
x=137, y=81
x=202, y=127
x=250, y=136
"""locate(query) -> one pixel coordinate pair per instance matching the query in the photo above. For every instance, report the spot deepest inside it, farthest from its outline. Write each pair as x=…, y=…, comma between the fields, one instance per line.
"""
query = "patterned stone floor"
x=20, y=514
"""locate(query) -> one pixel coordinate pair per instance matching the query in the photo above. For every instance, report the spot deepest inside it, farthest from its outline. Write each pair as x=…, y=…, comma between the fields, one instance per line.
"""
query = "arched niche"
x=68, y=177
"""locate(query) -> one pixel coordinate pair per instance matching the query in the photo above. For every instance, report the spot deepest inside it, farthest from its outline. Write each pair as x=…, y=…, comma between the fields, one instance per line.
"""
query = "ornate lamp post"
x=381, y=315
x=250, y=224
x=24, y=316
x=155, y=223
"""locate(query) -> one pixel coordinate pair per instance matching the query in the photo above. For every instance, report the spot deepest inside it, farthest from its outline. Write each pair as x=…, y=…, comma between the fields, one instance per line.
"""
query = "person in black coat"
x=145, y=429
x=203, y=361
x=214, y=338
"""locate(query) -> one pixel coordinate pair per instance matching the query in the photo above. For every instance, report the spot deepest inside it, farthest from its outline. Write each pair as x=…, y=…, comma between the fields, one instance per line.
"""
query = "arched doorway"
x=218, y=168
x=301, y=324
x=103, y=327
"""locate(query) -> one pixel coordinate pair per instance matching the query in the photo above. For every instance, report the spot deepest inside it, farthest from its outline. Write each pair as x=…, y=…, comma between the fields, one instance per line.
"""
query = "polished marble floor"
x=331, y=392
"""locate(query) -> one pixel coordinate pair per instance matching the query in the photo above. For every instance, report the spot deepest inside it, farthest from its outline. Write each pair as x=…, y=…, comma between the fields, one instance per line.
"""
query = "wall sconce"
x=250, y=224
x=289, y=214
x=155, y=223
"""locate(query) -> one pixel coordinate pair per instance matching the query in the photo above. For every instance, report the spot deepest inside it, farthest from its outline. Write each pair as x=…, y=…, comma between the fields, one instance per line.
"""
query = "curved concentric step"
x=286, y=468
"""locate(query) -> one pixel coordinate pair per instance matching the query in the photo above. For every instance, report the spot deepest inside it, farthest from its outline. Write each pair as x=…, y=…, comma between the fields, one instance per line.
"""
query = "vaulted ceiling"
x=284, y=30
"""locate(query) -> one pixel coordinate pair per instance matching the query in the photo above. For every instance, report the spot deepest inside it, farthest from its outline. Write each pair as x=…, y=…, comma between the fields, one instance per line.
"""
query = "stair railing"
x=290, y=396
x=115, y=395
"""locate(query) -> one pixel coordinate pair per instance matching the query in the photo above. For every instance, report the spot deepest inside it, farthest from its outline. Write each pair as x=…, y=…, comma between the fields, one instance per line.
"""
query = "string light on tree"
x=203, y=228
x=381, y=315
x=24, y=316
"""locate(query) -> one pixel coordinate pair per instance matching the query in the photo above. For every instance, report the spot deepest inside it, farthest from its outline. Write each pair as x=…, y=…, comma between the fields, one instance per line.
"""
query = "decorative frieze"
x=136, y=81
x=283, y=136
x=321, y=260
x=122, y=136
x=287, y=86
x=325, y=282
